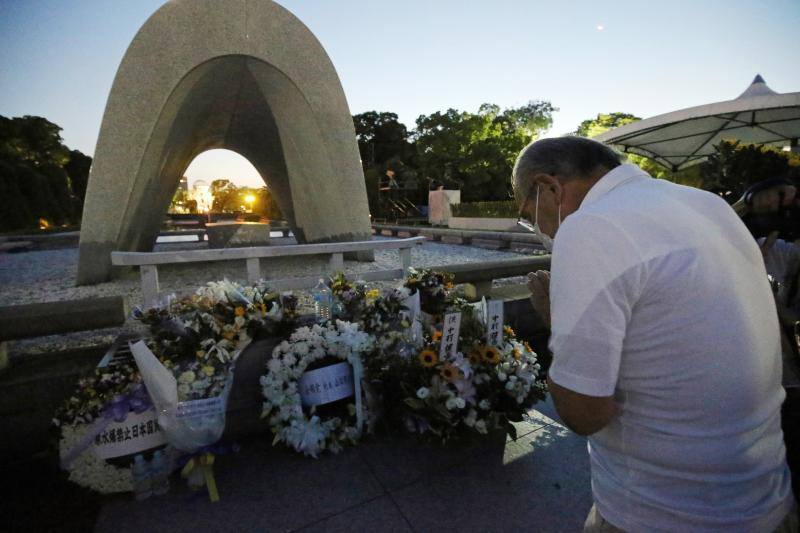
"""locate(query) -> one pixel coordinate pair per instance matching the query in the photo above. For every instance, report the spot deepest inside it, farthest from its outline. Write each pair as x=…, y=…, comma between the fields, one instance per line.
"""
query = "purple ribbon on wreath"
x=136, y=400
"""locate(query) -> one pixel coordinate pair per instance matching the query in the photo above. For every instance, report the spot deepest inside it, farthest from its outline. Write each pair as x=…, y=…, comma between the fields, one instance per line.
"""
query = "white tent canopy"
x=683, y=138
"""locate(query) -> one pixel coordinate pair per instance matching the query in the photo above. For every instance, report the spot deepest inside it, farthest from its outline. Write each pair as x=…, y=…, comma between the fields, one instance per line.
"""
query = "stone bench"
x=504, y=238
x=148, y=261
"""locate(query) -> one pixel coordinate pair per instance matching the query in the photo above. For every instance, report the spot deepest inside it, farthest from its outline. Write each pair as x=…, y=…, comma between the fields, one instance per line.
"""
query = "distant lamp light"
x=249, y=199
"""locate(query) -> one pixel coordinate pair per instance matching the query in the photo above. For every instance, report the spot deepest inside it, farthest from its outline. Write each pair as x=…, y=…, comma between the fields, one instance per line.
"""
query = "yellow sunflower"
x=450, y=372
x=491, y=355
x=475, y=356
x=428, y=358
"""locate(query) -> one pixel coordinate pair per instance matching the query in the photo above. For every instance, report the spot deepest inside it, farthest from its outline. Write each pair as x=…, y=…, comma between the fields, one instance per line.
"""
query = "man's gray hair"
x=568, y=157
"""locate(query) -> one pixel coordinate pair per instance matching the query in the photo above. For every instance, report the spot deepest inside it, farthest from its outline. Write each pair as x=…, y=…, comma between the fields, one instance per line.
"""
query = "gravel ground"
x=49, y=275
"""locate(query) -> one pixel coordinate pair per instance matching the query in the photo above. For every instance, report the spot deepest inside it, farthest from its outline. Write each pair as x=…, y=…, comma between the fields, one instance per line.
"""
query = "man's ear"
x=551, y=184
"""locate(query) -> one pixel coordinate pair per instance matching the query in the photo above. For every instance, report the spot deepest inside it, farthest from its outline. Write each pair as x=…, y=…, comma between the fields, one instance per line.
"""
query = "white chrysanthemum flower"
x=289, y=359
x=301, y=348
x=471, y=417
x=274, y=365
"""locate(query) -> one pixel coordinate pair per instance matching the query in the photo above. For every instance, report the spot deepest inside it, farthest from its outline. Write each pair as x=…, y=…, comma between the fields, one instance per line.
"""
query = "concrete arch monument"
x=239, y=74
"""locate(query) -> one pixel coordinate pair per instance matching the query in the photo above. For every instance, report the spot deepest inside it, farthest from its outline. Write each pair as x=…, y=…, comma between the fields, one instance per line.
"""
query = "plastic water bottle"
x=323, y=300
x=159, y=473
x=140, y=473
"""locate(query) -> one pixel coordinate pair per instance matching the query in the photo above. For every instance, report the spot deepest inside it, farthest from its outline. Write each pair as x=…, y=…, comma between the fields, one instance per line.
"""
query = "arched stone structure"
x=239, y=74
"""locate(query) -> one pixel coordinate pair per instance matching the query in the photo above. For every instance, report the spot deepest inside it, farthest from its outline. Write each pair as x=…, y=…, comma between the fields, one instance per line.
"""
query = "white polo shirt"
x=659, y=296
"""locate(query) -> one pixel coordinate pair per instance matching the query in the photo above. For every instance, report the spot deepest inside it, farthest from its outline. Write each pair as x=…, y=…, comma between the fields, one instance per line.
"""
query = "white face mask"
x=547, y=240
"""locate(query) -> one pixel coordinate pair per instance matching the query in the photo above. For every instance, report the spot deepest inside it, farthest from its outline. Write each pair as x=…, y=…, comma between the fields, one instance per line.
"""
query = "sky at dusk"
x=59, y=57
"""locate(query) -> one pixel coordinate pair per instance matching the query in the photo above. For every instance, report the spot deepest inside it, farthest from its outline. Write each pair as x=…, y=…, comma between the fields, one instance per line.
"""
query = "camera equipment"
x=786, y=221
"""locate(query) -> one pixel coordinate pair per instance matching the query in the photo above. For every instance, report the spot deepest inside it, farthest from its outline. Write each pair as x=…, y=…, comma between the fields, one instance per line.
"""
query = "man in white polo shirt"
x=665, y=342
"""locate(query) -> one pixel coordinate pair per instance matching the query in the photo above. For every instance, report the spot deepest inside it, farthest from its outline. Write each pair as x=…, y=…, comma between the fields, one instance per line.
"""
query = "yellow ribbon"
x=206, y=463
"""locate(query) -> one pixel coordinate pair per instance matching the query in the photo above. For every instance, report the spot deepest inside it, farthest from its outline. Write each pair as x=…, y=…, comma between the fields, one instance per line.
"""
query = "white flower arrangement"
x=309, y=433
x=90, y=471
x=480, y=391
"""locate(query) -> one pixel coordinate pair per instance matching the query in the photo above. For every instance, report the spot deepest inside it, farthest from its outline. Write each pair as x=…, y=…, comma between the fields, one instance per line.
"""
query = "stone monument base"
x=237, y=234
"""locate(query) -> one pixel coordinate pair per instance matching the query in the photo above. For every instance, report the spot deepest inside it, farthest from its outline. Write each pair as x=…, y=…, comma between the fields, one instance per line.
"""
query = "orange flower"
x=491, y=355
x=428, y=358
x=517, y=354
x=450, y=372
x=437, y=336
x=508, y=331
x=240, y=311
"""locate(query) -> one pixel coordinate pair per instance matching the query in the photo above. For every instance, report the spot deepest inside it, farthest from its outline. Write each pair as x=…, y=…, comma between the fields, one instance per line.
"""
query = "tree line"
x=475, y=152
x=41, y=178
x=42, y=181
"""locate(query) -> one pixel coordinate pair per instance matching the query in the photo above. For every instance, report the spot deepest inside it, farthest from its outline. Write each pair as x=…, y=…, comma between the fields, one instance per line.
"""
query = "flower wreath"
x=88, y=470
x=310, y=433
x=97, y=397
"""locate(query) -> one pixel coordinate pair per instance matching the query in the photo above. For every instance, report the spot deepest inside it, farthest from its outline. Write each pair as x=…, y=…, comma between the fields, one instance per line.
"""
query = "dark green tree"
x=32, y=139
x=14, y=206
x=475, y=152
x=604, y=122
x=78, y=171
x=380, y=138
x=734, y=166
x=38, y=173
x=266, y=205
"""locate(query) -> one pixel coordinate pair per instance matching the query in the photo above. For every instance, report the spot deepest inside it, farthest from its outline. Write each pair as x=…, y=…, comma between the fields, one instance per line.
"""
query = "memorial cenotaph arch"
x=245, y=75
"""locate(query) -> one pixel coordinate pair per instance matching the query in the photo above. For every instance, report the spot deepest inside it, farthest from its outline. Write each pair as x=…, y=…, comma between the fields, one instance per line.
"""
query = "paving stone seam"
x=388, y=493
x=333, y=515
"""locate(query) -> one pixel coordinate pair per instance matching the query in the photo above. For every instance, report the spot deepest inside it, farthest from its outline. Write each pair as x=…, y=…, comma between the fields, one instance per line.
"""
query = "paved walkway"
x=540, y=482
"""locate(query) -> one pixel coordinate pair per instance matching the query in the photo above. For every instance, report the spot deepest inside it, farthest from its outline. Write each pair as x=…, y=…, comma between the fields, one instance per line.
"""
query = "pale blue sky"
x=412, y=57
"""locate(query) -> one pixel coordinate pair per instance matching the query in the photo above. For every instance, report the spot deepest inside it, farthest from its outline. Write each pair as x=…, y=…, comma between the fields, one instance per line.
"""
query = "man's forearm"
x=585, y=415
